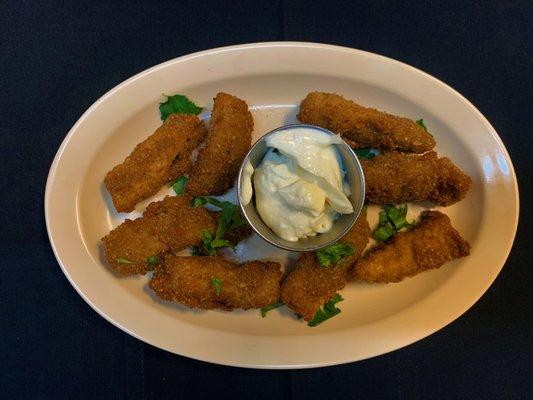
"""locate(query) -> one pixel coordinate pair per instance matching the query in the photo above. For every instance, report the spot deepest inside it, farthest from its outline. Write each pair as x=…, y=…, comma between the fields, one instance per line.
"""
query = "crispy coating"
x=309, y=285
x=430, y=244
x=364, y=127
x=229, y=139
x=394, y=177
x=188, y=280
x=167, y=225
x=160, y=158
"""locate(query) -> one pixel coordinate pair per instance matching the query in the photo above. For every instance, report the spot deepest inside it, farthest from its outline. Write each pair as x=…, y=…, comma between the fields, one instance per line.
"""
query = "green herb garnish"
x=421, y=123
x=266, y=309
x=396, y=215
x=230, y=218
x=152, y=260
x=333, y=253
x=124, y=261
x=198, y=201
x=178, y=104
x=391, y=220
x=327, y=311
x=179, y=184
x=384, y=232
x=367, y=154
x=217, y=284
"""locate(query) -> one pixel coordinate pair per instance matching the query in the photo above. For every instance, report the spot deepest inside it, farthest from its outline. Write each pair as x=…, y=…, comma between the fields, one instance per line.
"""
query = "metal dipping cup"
x=354, y=177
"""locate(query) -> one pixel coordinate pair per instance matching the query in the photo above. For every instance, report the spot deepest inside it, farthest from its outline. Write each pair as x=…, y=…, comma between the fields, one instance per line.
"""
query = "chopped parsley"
x=327, y=311
x=124, y=261
x=333, y=253
x=200, y=201
x=217, y=284
x=421, y=123
x=210, y=243
x=230, y=218
x=396, y=215
x=391, y=220
x=367, y=154
x=152, y=260
x=384, y=233
x=266, y=309
x=178, y=104
x=179, y=185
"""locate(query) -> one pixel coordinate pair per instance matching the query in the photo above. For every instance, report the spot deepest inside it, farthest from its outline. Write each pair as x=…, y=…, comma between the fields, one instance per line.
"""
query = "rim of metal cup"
x=358, y=203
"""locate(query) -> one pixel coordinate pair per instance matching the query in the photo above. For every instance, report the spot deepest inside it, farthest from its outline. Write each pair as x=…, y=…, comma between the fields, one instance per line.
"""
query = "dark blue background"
x=58, y=57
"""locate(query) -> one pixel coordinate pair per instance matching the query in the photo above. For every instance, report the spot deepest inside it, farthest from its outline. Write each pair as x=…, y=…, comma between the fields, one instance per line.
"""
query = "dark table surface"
x=58, y=57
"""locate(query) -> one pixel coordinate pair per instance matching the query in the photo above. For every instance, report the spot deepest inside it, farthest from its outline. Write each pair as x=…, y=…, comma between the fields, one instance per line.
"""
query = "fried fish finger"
x=229, y=139
x=364, y=127
x=160, y=158
x=394, y=177
x=309, y=285
x=167, y=225
x=428, y=245
x=214, y=282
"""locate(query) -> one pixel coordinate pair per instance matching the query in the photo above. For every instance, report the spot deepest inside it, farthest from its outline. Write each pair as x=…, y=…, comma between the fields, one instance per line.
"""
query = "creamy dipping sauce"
x=299, y=185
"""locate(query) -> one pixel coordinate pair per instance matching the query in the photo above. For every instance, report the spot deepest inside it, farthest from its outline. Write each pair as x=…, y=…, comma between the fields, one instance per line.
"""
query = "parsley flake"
x=266, y=309
x=333, y=253
x=230, y=218
x=152, y=261
x=179, y=185
x=327, y=311
x=391, y=220
x=217, y=284
x=366, y=154
x=178, y=104
x=384, y=232
x=123, y=261
x=198, y=201
x=421, y=123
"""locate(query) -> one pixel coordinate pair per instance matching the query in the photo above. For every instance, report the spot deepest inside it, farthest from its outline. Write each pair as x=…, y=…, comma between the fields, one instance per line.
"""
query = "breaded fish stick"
x=229, y=139
x=214, y=282
x=395, y=177
x=159, y=159
x=429, y=244
x=364, y=127
x=309, y=285
x=167, y=225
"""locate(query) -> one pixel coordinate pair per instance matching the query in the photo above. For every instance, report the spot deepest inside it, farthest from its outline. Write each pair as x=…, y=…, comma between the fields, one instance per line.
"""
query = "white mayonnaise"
x=299, y=185
x=246, y=189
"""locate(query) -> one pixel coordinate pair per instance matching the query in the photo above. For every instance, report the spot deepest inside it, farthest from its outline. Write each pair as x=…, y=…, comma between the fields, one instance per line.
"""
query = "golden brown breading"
x=394, y=177
x=167, y=225
x=132, y=241
x=229, y=139
x=188, y=280
x=429, y=244
x=160, y=158
x=364, y=127
x=309, y=285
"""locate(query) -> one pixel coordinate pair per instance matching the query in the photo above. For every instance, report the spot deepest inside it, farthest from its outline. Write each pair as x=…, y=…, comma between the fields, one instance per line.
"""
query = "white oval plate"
x=273, y=78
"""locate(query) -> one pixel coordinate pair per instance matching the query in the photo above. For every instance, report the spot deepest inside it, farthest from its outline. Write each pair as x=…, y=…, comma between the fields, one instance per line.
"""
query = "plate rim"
x=274, y=44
